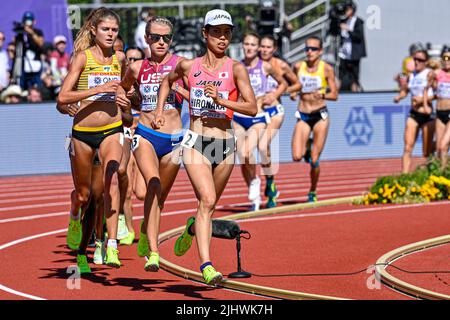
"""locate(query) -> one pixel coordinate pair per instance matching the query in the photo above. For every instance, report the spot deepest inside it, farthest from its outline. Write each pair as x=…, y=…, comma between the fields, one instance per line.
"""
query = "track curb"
x=246, y=287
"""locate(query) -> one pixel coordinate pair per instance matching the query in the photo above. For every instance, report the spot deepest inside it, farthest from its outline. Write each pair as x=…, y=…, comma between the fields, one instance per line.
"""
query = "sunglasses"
x=156, y=37
x=420, y=60
x=313, y=49
x=132, y=59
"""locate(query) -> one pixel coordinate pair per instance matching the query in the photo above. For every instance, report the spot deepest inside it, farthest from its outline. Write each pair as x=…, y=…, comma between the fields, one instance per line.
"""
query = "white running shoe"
x=254, y=190
x=122, y=230
x=100, y=252
x=256, y=204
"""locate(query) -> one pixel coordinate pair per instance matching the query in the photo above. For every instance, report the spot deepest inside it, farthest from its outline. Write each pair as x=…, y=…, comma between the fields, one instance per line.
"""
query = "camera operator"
x=352, y=49
x=32, y=41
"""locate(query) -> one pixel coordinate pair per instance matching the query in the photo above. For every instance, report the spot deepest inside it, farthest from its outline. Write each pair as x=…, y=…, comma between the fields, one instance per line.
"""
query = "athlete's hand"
x=123, y=103
x=131, y=92
x=397, y=99
x=211, y=91
x=416, y=101
x=428, y=109
x=72, y=109
x=158, y=121
x=110, y=87
x=269, y=99
x=294, y=96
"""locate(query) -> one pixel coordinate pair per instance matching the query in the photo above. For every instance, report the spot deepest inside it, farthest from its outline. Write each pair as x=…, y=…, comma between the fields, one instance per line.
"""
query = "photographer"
x=352, y=49
x=31, y=41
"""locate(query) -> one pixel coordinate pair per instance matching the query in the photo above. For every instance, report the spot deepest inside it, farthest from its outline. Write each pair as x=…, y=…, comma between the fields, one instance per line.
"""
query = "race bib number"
x=149, y=93
x=202, y=105
x=98, y=79
x=127, y=133
x=189, y=139
x=310, y=84
x=135, y=142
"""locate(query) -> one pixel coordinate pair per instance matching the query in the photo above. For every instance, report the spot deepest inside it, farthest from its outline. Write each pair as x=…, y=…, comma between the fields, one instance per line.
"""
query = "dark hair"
x=316, y=38
x=445, y=49
x=252, y=34
x=271, y=38
x=135, y=48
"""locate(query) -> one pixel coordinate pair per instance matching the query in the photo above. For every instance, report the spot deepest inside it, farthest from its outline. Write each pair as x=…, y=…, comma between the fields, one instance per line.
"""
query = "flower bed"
x=427, y=183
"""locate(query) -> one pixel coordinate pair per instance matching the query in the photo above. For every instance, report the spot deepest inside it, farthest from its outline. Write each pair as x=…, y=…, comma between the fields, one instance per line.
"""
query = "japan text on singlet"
x=223, y=79
x=313, y=81
x=417, y=83
x=96, y=74
x=443, y=85
x=149, y=80
x=258, y=79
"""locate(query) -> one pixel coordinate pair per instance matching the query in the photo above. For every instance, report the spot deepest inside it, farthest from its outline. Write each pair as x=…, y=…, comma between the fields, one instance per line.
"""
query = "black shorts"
x=95, y=138
x=214, y=149
x=443, y=115
x=420, y=118
x=312, y=118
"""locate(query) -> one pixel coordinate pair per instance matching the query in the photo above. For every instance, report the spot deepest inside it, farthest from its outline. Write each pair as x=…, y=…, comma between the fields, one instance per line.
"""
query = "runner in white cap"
x=215, y=83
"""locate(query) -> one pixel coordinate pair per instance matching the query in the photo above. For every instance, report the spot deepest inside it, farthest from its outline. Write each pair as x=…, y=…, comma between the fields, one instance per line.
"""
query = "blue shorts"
x=275, y=110
x=247, y=122
x=163, y=143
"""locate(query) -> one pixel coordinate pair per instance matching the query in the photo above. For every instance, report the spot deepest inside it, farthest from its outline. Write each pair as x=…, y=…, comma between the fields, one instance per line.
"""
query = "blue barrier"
x=363, y=126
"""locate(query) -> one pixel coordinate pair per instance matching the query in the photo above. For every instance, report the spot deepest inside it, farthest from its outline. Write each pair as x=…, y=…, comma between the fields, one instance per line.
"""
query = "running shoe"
x=122, y=230
x=271, y=202
x=184, y=241
x=153, y=262
x=307, y=155
x=74, y=234
x=142, y=246
x=211, y=276
x=128, y=240
x=312, y=197
x=254, y=189
x=256, y=204
x=82, y=264
x=112, y=257
x=271, y=189
x=100, y=252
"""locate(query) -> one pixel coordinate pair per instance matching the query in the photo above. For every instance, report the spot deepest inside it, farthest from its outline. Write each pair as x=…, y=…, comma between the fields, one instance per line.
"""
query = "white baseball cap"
x=59, y=38
x=218, y=17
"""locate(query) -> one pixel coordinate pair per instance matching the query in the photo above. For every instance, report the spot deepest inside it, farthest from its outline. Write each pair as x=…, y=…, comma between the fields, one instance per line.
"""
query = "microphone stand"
x=240, y=273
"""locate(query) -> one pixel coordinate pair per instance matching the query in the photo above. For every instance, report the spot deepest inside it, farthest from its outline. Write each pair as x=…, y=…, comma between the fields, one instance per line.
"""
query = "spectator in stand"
x=12, y=94
x=34, y=45
x=34, y=95
x=134, y=54
x=139, y=35
x=47, y=85
x=11, y=50
x=352, y=50
x=4, y=68
x=59, y=61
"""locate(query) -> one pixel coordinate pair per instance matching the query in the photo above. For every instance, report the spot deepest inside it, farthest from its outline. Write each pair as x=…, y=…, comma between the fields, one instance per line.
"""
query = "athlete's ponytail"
x=85, y=38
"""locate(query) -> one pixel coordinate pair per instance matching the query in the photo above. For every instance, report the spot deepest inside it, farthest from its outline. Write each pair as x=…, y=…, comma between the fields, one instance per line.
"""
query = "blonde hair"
x=85, y=38
x=158, y=20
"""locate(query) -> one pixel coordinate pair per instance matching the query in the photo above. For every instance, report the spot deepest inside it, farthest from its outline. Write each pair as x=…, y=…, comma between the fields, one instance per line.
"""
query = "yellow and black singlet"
x=313, y=81
x=96, y=74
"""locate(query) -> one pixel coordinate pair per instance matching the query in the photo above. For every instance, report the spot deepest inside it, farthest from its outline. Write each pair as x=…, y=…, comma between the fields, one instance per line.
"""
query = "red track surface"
x=307, y=251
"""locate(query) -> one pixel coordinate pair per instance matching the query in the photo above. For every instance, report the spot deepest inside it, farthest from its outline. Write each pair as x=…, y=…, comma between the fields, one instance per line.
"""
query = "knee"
x=140, y=195
x=154, y=185
x=122, y=171
x=83, y=196
x=207, y=203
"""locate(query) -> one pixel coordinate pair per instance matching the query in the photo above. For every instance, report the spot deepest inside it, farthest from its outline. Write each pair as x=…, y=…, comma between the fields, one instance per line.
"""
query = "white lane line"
x=296, y=190
x=339, y=212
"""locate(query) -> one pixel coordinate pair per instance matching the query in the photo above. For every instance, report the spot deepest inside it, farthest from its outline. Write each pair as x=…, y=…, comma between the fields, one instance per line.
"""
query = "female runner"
x=420, y=115
x=215, y=82
x=316, y=78
x=156, y=151
x=276, y=112
x=93, y=79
